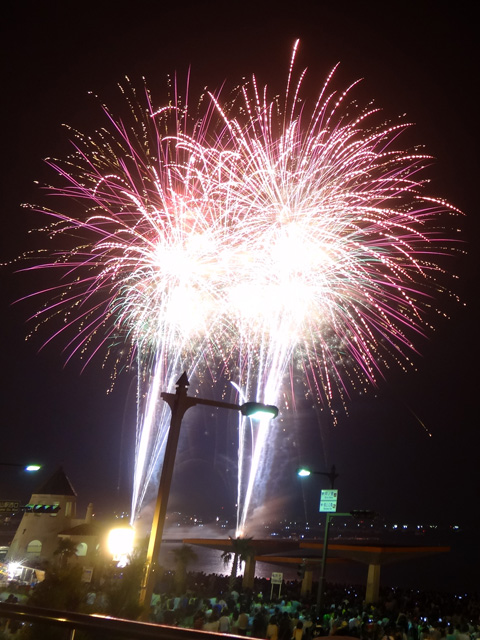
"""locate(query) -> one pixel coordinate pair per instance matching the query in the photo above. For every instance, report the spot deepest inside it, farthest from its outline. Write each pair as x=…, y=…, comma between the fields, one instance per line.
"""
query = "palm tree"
x=183, y=556
x=241, y=550
x=65, y=550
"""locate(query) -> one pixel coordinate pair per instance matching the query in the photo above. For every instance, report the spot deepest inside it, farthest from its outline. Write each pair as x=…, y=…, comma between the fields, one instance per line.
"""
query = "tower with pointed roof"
x=52, y=509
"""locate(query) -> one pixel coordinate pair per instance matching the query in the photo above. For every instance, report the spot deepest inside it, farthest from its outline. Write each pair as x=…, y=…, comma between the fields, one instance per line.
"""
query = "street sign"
x=87, y=574
x=328, y=501
x=277, y=578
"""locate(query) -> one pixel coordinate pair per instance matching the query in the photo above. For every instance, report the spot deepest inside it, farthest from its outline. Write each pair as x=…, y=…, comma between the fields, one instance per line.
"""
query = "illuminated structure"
x=49, y=517
x=310, y=553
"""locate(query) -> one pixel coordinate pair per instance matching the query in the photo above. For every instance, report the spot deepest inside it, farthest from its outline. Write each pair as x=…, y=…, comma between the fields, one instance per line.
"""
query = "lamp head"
x=259, y=410
x=33, y=467
x=303, y=472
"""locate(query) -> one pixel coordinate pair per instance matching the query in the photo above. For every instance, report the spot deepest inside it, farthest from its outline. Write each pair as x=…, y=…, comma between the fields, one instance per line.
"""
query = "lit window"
x=34, y=548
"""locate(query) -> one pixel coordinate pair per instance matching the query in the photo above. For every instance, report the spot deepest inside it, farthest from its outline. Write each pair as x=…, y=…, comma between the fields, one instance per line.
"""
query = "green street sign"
x=328, y=500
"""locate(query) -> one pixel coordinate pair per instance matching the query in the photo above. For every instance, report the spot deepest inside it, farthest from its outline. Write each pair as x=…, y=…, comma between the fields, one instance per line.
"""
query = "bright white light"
x=33, y=467
x=303, y=473
x=261, y=415
x=120, y=542
x=13, y=568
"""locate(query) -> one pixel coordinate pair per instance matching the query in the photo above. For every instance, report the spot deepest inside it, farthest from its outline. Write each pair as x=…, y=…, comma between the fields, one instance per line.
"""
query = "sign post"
x=328, y=505
x=277, y=578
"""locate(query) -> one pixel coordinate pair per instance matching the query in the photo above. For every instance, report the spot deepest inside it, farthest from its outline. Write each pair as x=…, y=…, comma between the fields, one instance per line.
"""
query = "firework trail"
x=340, y=250
x=146, y=264
x=268, y=240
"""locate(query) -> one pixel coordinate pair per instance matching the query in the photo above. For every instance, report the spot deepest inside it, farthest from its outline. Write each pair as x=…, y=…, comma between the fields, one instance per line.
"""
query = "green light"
x=33, y=467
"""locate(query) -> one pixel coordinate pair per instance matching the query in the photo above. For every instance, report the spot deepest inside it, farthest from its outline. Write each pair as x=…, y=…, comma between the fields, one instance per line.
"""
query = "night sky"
x=420, y=58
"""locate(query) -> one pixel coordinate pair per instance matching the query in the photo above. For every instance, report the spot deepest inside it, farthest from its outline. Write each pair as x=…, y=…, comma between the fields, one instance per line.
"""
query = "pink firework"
x=291, y=244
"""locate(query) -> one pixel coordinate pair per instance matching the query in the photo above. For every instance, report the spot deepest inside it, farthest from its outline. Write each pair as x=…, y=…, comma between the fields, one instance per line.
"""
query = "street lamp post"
x=323, y=570
x=332, y=475
x=179, y=404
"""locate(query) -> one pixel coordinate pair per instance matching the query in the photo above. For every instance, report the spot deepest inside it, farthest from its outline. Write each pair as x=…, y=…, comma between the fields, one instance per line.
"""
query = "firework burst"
x=272, y=240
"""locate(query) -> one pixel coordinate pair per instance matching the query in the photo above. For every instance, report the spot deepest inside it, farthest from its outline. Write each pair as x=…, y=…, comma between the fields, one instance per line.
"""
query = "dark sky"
x=420, y=58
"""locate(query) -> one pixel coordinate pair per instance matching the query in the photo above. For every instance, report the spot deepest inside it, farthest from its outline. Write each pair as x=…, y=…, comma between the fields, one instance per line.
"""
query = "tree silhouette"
x=65, y=550
x=241, y=550
x=183, y=556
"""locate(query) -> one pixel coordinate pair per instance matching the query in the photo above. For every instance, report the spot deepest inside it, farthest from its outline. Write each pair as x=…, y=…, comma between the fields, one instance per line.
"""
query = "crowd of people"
x=279, y=612
x=401, y=614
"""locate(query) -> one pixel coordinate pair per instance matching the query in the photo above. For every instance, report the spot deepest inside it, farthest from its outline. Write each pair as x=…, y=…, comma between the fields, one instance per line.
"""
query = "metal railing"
x=98, y=625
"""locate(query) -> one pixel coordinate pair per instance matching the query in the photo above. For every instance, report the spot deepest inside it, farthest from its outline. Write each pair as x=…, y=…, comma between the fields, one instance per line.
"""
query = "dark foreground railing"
x=99, y=626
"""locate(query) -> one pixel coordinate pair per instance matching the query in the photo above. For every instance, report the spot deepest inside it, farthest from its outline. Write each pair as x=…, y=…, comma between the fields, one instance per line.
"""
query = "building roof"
x=260, y=547
x=57, y=485
x=291, y=551
x=375, y=553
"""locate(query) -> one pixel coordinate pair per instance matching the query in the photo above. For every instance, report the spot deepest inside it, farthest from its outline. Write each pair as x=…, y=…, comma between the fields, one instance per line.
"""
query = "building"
x=50, y=517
